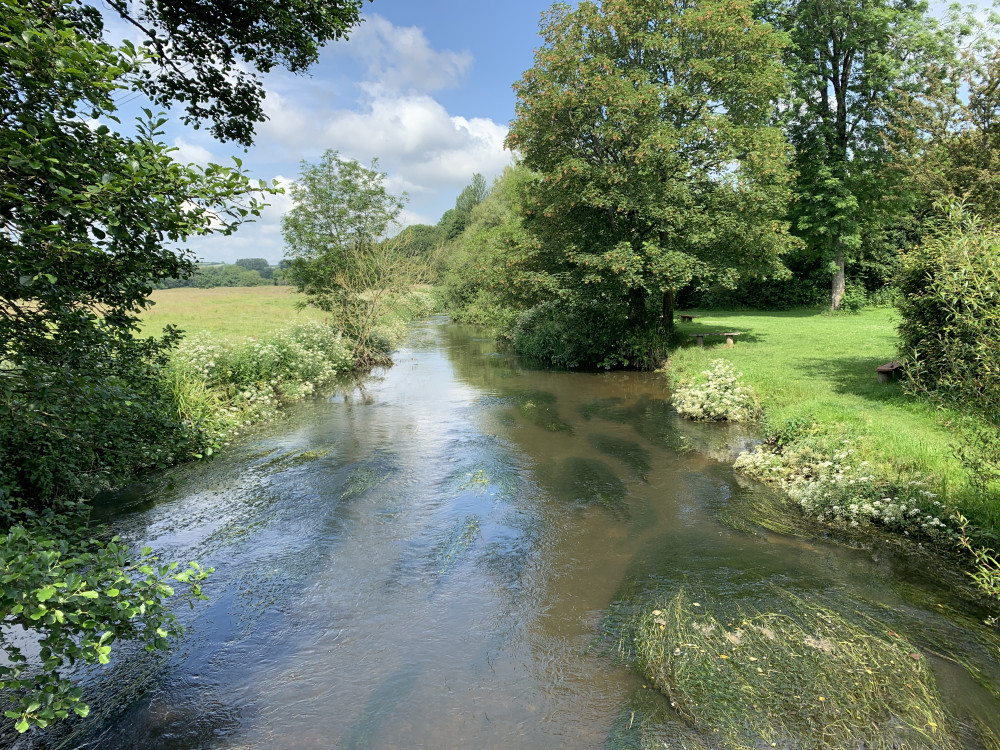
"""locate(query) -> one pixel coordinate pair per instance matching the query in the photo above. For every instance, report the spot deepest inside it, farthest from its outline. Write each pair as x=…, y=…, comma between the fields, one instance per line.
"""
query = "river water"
x=425, y=559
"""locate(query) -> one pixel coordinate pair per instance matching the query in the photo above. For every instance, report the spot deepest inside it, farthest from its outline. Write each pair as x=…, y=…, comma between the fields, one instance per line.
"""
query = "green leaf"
x=45, y=594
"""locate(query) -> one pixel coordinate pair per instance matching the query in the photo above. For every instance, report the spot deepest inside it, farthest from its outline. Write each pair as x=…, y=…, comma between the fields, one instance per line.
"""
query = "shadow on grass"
x=687, y=331
x=854, y=375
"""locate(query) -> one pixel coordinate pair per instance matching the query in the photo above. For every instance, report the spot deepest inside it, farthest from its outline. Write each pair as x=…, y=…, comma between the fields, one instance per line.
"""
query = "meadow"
x=228, y=313
x=814, y=374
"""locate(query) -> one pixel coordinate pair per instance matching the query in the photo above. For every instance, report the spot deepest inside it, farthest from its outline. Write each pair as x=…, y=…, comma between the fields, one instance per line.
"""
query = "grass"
x=803, y=676
x=228, y=313
x=816, y=371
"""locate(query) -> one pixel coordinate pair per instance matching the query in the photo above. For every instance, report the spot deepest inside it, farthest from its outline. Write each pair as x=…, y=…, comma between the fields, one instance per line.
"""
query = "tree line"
x=244, y=272
x=723, y=153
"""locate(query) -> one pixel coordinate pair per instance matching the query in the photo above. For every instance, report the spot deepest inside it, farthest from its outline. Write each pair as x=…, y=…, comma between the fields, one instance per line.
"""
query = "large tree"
x=91, y=216
x=649, y=125
x=852, y=65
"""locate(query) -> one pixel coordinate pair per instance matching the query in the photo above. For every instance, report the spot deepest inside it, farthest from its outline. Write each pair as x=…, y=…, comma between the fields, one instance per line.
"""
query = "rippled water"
x=425, y=560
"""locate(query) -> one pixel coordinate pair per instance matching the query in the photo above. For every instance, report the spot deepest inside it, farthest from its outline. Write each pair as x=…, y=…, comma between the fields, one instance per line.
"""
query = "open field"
x=229, y=313
x=811, y=366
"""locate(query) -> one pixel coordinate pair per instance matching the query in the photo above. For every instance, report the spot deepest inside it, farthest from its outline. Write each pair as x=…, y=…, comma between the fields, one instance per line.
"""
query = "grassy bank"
x=815, y=376
x=248, y=350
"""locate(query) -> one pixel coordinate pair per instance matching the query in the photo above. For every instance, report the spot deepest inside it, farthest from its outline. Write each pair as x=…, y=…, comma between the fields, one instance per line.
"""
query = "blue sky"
x=423, y=86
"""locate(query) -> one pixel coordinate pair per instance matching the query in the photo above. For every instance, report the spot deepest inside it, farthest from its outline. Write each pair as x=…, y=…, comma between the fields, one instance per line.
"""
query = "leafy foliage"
x=950, y=308
x=341, y=258
x=68, y=599
x=90, y=220
x=205, y=54
x=85, y=214
x=649, y=127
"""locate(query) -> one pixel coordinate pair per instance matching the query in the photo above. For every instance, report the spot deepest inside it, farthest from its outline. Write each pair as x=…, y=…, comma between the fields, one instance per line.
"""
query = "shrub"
x=721, y=397
x=950, y=307
x=833, y=488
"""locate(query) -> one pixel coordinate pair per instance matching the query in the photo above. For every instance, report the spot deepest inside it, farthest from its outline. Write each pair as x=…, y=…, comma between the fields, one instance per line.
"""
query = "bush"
x=950, y=306
x=218, y=387
x=720, y=397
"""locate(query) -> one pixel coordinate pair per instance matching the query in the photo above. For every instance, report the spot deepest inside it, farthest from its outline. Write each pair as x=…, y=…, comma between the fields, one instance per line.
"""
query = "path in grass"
x=813, y=365
x=228, y=313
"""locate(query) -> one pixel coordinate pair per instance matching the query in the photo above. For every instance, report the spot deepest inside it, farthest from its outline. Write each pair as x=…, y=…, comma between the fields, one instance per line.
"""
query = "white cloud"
x=401, y=58
x=426, y=151
x=191, y=153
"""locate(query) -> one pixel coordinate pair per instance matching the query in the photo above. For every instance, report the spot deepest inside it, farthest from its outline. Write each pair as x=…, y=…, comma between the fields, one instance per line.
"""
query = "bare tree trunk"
x=668, y=310
x=839, y=279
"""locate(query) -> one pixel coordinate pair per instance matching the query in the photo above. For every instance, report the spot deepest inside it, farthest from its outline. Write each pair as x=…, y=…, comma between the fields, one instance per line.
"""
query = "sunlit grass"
x=228, y=313
x=810, y=365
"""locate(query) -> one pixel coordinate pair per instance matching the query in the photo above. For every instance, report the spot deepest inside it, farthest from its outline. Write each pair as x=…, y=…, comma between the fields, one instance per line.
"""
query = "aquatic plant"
x=833, y=488
x=799, y=675
x=720, y=396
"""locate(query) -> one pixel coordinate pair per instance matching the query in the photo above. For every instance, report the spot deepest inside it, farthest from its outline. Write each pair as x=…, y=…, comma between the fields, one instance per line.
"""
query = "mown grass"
x=816, y=371
x=228, y=313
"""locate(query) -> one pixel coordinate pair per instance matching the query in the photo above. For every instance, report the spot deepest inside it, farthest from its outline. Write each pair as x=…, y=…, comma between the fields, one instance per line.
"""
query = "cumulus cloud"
x=426, y=151
x=401, y=58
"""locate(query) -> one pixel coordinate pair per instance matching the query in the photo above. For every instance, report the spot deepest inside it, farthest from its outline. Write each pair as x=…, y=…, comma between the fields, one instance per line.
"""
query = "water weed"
x=800, y=675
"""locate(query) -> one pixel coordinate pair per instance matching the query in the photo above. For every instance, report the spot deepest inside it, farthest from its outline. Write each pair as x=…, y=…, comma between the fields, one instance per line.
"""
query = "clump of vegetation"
x=219, y=387
x=585, y=481
x=950, y=310
x=719, y=396
x=628, y=452
x=802, y=676
x=836, y=488
x=539, y=408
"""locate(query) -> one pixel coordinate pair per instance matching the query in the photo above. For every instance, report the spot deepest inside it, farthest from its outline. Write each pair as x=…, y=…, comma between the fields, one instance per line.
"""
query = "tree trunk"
x=637, y=307
x=668, y=310
x=839, y=279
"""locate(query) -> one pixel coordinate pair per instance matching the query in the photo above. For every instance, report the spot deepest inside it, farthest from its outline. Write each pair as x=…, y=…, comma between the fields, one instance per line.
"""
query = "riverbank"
x=847, y=448
x=248, y=351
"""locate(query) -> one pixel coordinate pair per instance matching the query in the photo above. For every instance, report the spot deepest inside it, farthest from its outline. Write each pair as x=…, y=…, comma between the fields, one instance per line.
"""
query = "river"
x=425, y=558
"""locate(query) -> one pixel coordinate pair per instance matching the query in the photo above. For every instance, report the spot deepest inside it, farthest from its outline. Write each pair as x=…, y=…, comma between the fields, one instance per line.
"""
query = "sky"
x=424, y=87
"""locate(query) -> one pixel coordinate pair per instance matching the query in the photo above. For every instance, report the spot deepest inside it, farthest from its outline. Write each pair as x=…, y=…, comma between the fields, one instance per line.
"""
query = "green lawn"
x=230, y=313
x=808, y=364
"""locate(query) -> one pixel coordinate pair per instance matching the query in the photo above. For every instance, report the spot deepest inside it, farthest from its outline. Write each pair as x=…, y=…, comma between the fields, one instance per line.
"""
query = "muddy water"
x=425, y=560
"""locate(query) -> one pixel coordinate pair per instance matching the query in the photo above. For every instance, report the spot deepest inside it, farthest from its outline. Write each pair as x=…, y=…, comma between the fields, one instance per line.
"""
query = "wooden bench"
x=889, y=371
x=701, y=337
x=687, y=318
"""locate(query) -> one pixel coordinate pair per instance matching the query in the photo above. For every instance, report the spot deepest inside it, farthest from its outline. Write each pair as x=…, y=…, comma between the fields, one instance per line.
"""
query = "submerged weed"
x=800, y=675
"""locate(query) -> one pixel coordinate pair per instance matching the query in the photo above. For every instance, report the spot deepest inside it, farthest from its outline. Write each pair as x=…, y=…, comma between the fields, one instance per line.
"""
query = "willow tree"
x=650, y=126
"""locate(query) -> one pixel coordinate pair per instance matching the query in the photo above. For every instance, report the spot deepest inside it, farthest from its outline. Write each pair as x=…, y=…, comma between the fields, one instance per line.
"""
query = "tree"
x=208, y=54
x=648, y=124
x=260, y=265
x=336, y=237
x=454, y=220
x=89, y=221
x=851, y=65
